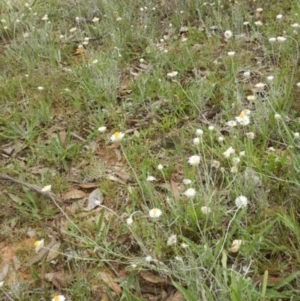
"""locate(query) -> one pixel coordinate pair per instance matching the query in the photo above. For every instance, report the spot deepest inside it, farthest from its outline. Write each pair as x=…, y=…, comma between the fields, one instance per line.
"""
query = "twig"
x=32, y=187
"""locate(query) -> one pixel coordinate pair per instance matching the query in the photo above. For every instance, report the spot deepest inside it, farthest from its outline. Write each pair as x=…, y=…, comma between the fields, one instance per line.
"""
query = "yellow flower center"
x=56, y=298
x=36, y=243
x=242, y=115
x=117, y=134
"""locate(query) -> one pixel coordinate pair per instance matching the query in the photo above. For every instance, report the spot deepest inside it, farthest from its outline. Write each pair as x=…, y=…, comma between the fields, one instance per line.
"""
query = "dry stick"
x=33, y=187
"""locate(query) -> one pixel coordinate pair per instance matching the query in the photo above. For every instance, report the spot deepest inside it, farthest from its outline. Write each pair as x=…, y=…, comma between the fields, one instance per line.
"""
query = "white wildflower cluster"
x=244, y=117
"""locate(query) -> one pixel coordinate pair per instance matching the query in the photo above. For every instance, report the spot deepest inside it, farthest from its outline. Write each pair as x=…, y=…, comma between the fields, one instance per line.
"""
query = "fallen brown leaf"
x=58, y=279
x=108, y=279
x=178, y=296
x=73, y=195
x=148, y=276
x=123, y=175
x=53, y=253
x=88, y=185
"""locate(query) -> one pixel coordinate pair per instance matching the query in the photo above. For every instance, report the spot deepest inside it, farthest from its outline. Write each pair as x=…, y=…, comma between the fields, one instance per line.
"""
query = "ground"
x=149, y=150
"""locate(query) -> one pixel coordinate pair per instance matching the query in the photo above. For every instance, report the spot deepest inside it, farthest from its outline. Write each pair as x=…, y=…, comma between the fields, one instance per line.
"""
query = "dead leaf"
x=53, y=253
x=58, y=279
x=8, y=150
x=123, y=175
x=107, y=278
x=148, y=276
x=178, y=296
x=115, y=179
x=95, y=199
x=88, y=185
x=73, y=195
x=121, y=239
x=75, y=207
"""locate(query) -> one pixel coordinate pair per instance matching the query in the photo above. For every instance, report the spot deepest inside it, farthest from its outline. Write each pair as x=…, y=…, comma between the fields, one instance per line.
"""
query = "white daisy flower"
x=190, y=193
x=59, y=298
x=155, y=213
x=38, y=244
x=281, y=39
x=241, y=201
x=196, y=141
x=194, y=160
x=228, y=34
x=199, y=132
x=229, y=152
x=117, y=136
x=231, y=123
x=243, y=118
x=205, y=210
